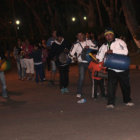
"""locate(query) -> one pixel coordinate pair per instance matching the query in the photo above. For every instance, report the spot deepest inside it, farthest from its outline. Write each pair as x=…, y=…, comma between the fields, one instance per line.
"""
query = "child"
x=37, y=57
x=97, y=81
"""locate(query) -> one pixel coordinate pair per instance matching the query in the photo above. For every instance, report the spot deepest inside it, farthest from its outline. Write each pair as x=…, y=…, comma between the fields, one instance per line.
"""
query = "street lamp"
x=73, y=19
x=17, y=22
x=85, y=18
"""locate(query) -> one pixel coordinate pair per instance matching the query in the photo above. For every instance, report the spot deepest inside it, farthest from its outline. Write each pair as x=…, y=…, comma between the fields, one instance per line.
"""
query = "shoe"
x=66, y=90
x=129, y=104
x=62, y=90
x=81, y=101
x=111, y=106
x=78, y=95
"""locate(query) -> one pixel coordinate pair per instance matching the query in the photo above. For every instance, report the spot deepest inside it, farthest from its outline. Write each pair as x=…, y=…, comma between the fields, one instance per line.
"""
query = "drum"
x=64, y=59
x=89, y=54
x=117, y=61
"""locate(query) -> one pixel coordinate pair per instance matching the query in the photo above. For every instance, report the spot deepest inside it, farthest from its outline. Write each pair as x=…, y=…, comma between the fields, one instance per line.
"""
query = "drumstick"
x=93, y=57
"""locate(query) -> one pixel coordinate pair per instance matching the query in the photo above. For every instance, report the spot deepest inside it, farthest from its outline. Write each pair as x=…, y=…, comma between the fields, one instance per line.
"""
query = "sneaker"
x=66, y=90
x=62, y=90
x=110, y=106
x=78, y=95
x=129, y=104
x=81, y=101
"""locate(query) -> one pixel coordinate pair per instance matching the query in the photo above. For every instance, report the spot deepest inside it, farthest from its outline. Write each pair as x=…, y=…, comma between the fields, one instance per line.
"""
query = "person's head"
x=87, y=35
x=59, y=36
x=109, y=34
x=36, y=46
x=54, y=33
x=80, y=36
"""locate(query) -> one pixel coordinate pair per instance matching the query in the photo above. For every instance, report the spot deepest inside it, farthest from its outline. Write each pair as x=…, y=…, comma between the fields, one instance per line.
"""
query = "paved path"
x=40, y=112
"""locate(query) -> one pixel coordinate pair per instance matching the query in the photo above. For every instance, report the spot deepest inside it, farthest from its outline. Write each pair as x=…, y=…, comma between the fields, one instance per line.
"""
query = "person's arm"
x=101, y=53
x=121, y=48
x=92, y=45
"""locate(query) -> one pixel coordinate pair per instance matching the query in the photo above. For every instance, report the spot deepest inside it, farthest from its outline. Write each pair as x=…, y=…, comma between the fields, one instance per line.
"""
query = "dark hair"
x=59, y=34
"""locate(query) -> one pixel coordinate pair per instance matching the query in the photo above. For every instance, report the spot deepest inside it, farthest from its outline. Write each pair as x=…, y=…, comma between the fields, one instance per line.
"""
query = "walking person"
x=78, y=47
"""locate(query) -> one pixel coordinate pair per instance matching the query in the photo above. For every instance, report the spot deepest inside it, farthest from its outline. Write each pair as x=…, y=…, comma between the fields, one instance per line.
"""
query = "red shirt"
x=27, y=50
x=95, y=67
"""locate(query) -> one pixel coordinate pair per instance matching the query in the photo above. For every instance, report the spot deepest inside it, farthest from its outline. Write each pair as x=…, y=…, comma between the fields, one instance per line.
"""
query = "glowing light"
x=73, y=19
x=17, y=22
x=85, y=18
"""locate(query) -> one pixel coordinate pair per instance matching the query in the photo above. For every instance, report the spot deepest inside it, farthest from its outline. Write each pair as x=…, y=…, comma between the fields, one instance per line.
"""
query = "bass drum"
x=88, y=56
x=117, y=61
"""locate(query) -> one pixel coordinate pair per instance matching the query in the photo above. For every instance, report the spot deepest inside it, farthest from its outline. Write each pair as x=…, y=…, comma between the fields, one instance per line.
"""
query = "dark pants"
x=82, y=71
x=39, y=72
x=99, y=83
x=64, y=76
x=44, y=69
x=123, y=79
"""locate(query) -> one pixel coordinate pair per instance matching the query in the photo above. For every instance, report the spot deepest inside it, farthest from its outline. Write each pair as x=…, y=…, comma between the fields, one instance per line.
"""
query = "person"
x=78, y=47
x=2, y=76
x=95, y=66
x=51, y=63
x=27, y=50
x=16, y=54
x=44, y=57
x=116, y=46
x=59, y=53
x=37, y=57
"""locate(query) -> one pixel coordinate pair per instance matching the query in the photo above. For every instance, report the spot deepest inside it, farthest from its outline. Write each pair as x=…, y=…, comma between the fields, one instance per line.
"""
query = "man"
x=116, y=46
x=78, y=47
x=2, y=76
x=51, y=63
x=16, y=53
x=60, y=49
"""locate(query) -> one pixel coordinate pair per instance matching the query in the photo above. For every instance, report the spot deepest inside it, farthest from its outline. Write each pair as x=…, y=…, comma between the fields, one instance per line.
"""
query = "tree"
x=89, y=8
x=131, y=21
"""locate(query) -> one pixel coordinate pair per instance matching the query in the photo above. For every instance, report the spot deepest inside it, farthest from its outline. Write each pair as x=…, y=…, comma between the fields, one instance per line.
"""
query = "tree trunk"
x=89, y=8
x=38, y=20
x=131, y=21
x=99, y=12
x=110, y=11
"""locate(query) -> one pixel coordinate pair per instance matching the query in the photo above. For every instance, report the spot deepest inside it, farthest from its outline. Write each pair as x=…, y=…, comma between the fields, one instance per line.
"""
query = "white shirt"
x=77, y=48
x=118, y=47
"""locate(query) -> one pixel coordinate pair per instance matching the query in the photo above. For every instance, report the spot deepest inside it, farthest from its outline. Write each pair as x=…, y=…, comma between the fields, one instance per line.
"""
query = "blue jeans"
x=82, y=70
x=19, y=68
x=3, y=83
x=39, y=73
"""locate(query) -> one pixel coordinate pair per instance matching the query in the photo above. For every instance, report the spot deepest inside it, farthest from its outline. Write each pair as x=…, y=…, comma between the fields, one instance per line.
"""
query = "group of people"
x=57, y=53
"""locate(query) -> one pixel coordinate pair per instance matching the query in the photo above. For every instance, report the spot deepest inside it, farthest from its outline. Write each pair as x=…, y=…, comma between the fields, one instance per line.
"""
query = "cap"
x=108, y=31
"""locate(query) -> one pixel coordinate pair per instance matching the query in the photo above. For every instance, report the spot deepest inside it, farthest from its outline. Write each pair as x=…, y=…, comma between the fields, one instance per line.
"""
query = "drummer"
x=116, y=46
x=77, y=48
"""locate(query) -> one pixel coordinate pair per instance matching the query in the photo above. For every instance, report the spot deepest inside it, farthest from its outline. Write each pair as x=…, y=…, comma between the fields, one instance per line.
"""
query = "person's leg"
x=125, y=86
x=41, y=72
x=3, y=82
x=66, y=78
x=27, y=68
x=61, y=79
x=19, y=69
x=36, y=73
x=31, y=63
x=112, y=84
x=102, y=88
x=82, y=70
x=95, y=88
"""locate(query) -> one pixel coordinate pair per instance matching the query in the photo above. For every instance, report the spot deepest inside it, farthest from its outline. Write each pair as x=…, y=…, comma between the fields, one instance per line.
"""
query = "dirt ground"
x=41, y=112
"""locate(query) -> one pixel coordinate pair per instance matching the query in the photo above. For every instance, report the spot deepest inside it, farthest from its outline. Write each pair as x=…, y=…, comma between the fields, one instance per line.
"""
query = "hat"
x=108, y=31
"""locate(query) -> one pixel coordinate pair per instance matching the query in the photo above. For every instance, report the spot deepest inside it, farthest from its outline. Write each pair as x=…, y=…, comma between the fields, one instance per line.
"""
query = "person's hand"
x=86, y=47
x=109, y=51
